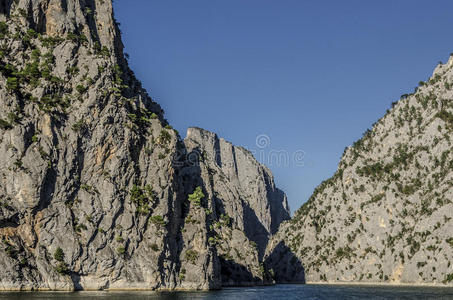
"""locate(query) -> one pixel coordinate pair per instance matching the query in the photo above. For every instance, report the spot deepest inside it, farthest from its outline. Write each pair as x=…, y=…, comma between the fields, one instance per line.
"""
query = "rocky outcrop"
x=386, y=214
x=97, y=191
x=86, y=161
x=247, y=207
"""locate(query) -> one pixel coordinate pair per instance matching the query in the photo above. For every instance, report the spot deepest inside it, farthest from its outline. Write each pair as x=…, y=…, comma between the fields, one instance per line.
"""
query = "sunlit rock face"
x=97, y=191
x=386, y=214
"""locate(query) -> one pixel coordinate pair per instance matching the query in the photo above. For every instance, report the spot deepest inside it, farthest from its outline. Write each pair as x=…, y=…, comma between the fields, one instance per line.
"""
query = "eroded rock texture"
x=247, y=205
x=386, y=214
x=97, y=191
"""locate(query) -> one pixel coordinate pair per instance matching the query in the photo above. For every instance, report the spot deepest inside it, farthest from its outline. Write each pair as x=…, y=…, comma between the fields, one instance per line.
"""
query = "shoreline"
x=150, y=290
x=382, y=284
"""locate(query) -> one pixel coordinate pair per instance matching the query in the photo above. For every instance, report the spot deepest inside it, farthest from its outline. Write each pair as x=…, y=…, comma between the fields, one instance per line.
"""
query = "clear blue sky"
x=311, y=75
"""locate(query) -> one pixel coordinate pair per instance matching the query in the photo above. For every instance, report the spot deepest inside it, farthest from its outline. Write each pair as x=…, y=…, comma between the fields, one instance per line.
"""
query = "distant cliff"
x=247, y=205
x=97, y=190
x=386, y=214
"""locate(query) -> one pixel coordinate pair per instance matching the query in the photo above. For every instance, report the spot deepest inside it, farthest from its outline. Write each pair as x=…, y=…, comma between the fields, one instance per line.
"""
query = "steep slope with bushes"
x=386, y=216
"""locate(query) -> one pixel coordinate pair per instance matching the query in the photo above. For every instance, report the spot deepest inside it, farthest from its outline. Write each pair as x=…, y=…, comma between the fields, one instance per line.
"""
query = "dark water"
x=310, y=292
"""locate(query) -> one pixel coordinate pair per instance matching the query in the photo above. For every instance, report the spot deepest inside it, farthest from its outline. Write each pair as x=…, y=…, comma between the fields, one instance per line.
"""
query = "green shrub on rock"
x=12, y=84
x=196, y=197
x=191, y=256
x=59, y=254
x=3, y=30
x=157, y=220
x=5, y=125
x=142, y=198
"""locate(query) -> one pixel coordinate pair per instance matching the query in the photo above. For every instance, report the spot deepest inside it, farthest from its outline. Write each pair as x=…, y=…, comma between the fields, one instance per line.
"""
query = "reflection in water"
x=255, y=293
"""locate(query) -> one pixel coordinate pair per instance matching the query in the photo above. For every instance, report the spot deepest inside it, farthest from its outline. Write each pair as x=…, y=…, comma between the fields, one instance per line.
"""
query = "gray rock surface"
x=246, y=205
x=97, y=190
x=386, y=214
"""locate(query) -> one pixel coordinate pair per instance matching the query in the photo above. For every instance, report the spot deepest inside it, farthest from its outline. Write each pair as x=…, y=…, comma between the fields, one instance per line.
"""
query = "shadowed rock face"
x=387, y=213
x=245, y=201
x=241, y=185
x=284, y=265
x=95, y=184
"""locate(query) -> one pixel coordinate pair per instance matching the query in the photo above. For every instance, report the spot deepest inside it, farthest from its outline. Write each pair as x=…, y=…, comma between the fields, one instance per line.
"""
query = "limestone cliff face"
x=387, y=213
x=96, y=189
x=246, y=205
x=86, y=161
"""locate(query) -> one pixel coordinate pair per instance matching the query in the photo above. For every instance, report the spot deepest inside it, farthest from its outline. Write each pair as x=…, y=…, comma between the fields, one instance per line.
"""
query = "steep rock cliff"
x=247, y=207
x=386, y=214
x=96, y=189
x=87, y=166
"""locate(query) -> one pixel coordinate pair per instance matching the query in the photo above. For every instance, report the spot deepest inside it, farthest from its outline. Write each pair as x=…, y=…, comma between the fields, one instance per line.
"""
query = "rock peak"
x=98, y=191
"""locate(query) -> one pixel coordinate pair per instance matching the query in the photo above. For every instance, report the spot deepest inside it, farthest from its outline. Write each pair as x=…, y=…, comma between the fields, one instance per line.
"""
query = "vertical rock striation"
x=96, y=189
x=246, y=205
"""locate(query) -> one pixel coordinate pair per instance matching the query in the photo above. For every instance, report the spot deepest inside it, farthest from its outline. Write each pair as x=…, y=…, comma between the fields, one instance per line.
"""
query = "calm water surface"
x=310, y=292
